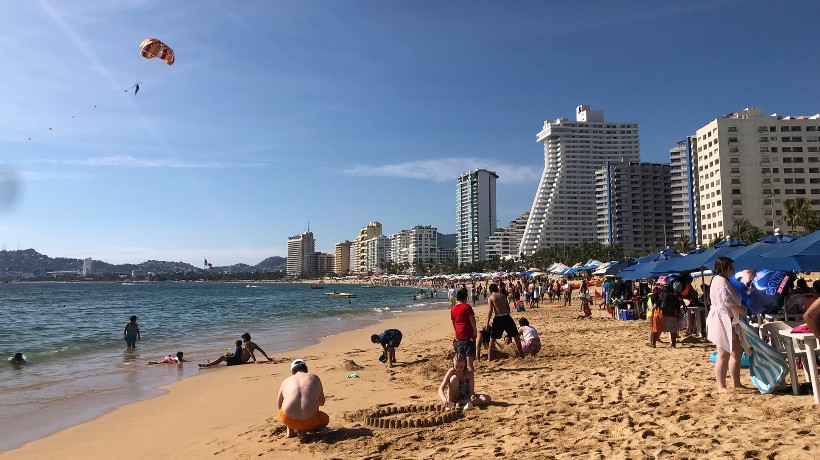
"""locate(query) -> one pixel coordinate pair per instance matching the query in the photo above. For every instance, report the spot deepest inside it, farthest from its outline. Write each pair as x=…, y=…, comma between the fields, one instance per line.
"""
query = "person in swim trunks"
x=458, y=388
x=300, y=396
x=503, y=322
x=389, y=340
x=231, y=359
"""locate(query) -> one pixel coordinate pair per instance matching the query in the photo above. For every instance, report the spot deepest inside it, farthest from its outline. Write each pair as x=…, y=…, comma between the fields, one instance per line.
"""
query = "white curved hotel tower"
x=563, y=211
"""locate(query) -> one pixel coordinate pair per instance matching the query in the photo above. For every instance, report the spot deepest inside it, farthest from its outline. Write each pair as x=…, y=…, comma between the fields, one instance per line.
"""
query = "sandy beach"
x=594, y=391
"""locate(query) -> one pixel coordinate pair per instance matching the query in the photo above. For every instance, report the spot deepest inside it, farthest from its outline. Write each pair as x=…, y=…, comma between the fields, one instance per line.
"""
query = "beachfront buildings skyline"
x=749, y=164
x=361, y=256
x=563, y=210
x=475, y=214
x=634, y=206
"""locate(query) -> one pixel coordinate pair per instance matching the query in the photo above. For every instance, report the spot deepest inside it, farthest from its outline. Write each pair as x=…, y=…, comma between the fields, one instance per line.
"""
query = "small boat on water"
x=367, y=286
x=251, y=286
x=340, y=295
x=316, y=286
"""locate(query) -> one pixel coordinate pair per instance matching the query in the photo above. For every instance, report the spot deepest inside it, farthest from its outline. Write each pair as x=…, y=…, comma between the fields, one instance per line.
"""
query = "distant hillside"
x=272, y=263
x=447, y=241
x=29, y=261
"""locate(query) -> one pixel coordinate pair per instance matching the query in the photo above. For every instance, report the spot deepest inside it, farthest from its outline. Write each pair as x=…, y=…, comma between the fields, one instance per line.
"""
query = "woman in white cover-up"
x=725, y=306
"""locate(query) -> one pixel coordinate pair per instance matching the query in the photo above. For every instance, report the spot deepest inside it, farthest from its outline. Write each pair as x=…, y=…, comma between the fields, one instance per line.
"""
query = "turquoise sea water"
x=78, y=366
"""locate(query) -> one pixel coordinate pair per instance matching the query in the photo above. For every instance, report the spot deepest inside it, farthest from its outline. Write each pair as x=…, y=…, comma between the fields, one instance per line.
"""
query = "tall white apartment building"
x=563, y=211
x=362, y=257
x=378, y=252
x=505, y=242
x=399, y=246
x=423, y=244
x=475, y=214
x=634, y=206
x=685, y=194
x=749, y=164
x=301, y=254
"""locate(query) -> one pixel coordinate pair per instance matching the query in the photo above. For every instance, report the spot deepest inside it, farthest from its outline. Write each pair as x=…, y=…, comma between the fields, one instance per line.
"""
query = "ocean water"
x=78, y=366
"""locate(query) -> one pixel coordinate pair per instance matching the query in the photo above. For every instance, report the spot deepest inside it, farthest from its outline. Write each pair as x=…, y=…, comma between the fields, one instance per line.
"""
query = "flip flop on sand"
x=650, y=345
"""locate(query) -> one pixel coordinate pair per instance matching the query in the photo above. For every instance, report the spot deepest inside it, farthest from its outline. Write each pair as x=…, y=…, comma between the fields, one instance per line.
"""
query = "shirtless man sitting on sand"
x=502, y=321
x=300, y=396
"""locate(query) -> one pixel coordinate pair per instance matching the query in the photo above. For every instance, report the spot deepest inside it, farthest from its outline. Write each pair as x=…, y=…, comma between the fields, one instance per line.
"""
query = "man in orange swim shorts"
x=300, y=396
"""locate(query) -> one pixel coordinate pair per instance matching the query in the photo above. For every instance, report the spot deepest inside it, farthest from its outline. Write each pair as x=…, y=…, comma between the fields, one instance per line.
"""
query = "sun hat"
x=297, y=362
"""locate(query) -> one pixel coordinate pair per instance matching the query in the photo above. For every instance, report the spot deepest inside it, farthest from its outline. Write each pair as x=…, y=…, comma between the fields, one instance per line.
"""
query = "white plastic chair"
x=769, y=333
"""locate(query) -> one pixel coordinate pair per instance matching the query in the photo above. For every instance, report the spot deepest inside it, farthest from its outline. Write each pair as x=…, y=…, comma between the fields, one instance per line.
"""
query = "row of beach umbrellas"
x=774, y=252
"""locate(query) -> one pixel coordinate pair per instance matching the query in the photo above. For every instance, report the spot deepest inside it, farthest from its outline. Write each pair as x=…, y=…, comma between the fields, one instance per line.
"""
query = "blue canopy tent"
x=644, y=266
x=748, y=257
x=694, y=262
x=803, y=253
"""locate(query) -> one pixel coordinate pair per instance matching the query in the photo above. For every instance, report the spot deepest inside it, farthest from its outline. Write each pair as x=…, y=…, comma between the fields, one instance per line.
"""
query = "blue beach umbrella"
x=695, y=262
x=748, y=258
x=803, y=253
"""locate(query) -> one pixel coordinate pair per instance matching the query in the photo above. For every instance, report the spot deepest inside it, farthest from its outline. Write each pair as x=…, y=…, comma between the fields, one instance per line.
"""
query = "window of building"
x=735, y=191
x=800, y=191
x=737, y=202
x=735, y=181
x=774, y=149
x=784, y=128
x=796, y=128
x=764, y=150
x=732, y=129
x=735, y=170
x=734, y=160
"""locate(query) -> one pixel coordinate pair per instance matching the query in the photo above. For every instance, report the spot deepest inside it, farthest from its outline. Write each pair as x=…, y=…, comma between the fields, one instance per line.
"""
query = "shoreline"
x=110, y=403
x=595, y=390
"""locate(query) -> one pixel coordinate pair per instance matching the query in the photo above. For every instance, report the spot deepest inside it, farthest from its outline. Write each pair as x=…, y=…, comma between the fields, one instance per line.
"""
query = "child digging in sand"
x=389, y=340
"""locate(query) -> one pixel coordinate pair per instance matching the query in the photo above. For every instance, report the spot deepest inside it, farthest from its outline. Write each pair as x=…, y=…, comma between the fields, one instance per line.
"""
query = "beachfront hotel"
x=370, y=248
x=634, y=206
x=341, y=263
x=563, y=211
x=301, y=254
x=417, y=245
x=749, y=164
x=475, y=214
x=685, y=195
x=505, y=242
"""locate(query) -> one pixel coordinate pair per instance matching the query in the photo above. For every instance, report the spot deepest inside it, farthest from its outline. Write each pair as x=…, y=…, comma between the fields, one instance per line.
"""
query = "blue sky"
x=336, y=113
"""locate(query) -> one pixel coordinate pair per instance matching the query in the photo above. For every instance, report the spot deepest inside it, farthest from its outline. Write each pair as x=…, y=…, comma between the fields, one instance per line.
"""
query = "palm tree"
x=683, y=244
x=797, y=211
x=743, y=230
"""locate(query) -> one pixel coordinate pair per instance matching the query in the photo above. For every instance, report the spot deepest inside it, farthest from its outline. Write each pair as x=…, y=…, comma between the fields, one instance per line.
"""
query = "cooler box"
x=627, y=315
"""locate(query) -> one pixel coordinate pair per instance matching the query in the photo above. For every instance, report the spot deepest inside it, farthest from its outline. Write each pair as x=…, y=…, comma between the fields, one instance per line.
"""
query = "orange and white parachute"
x=151, y=48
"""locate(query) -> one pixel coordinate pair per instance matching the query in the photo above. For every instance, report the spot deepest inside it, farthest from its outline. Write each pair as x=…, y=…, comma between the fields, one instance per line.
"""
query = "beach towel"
x=766, y=365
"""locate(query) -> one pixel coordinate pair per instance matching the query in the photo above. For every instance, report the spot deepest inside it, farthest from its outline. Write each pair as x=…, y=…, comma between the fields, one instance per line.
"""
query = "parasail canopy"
x=151, y=48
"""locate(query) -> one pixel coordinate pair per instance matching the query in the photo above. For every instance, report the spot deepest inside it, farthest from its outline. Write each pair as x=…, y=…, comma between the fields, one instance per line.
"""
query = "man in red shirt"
x=463, y=319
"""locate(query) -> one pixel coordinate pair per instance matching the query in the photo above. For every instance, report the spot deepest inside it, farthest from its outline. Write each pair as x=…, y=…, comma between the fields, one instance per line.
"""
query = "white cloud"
x=446, y=169
x=128, y=161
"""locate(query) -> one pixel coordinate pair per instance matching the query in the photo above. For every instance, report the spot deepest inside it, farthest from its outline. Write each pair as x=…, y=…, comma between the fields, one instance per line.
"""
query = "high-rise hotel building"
x=301, y=254
x=475, y=214
x=634, y=206
x=749, y=164
x=685, y=191
x=563, y=211
x=341, y=261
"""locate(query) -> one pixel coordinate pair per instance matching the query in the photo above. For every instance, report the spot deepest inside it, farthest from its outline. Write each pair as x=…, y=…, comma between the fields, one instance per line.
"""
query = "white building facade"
x=505, y=242
x=563, y=211
x=301, y=254
x=475, y=214
x=685, y=194
x=749, y=164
